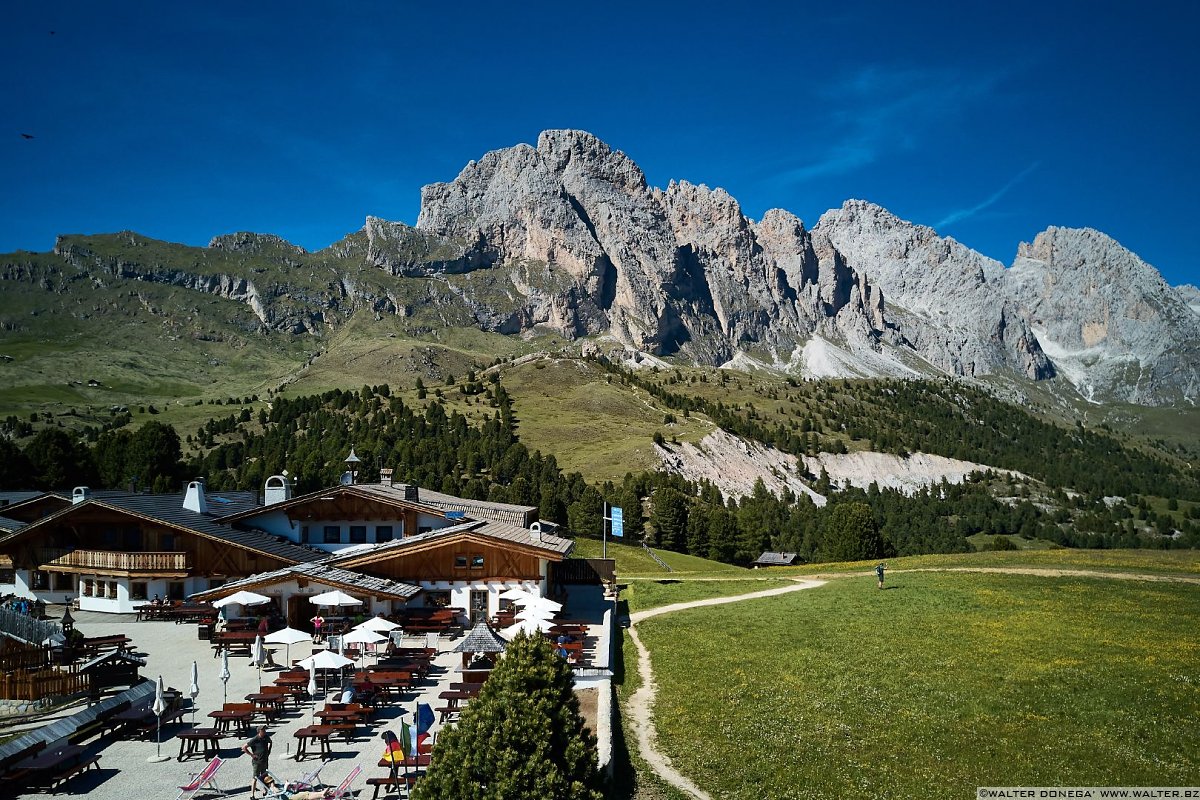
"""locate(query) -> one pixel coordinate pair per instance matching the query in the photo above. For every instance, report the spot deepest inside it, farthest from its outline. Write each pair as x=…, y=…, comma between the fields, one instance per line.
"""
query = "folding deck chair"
x=343, y=788
x=203, y=782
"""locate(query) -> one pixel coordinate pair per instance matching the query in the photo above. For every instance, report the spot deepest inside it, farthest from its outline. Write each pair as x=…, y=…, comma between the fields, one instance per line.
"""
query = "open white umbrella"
x=534, y=613
x=223, y=675
x=325, y=659
x=159, y=708
x=377, y=624
x=287, y=637
x=528, y=626
x=242, y=598
x=194, y=689
x=516, y=594
x=334, y=598
x=540, y=602
x=364, y=637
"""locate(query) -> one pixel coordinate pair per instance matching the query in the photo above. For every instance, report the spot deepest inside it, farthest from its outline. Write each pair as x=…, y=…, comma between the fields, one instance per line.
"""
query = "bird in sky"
x=26, y=135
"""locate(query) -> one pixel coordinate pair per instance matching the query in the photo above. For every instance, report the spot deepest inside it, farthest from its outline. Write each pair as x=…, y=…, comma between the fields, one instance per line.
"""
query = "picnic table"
x=228, y=718
x=52, y=768
x=314, y=733
x=199, y=741
x=269, y=704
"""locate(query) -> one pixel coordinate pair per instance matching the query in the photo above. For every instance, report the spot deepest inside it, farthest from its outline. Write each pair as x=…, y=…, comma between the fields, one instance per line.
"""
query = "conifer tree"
x=523, y=737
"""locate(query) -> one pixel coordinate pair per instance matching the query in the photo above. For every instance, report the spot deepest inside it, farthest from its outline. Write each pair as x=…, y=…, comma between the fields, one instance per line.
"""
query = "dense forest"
x=426, y=445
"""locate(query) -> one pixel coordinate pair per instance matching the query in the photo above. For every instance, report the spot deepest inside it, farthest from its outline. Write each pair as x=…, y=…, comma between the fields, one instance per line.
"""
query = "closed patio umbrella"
x=223, y=675
x=194, y=689
x=159, y=708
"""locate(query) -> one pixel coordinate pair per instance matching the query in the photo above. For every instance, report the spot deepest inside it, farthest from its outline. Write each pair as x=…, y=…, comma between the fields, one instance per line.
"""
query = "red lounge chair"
x=203, y=782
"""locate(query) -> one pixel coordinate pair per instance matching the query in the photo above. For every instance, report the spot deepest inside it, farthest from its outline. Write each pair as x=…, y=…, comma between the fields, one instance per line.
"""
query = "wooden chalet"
x=465, y=566
x=116, y=552
x=774, y=559
x=391, y=545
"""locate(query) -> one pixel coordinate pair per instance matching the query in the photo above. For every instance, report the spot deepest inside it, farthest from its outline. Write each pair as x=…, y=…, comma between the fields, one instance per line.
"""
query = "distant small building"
x=772, y=559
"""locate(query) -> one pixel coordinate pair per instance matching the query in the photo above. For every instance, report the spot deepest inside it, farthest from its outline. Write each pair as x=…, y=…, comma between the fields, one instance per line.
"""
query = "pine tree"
x=523, y=737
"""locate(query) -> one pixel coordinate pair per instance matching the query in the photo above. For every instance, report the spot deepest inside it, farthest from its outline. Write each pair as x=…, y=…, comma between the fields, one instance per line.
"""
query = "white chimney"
x=194, y=500
x=385, y=476
x=535, y=532
x=277, y=490
x=80, y=493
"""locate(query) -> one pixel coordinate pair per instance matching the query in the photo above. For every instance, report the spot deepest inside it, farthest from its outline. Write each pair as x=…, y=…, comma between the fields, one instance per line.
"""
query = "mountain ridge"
x=568, y=236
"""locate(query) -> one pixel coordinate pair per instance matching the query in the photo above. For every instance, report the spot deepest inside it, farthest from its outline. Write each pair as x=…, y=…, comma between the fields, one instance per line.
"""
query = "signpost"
x=616, y=519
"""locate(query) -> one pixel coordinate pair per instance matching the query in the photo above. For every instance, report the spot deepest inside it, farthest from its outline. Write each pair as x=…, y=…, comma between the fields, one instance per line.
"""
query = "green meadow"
x=941, y=683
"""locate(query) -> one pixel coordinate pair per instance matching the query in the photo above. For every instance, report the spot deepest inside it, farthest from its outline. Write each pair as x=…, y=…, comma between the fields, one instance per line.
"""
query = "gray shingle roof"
x=168, y=509
x=493, y=530
x=769, y=559
x=481, y=639
x=9, y=525
x=324, y=573
x=475, y=509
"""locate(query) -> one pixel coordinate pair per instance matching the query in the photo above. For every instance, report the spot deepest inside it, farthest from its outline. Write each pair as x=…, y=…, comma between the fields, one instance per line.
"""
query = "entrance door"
x=479, y=606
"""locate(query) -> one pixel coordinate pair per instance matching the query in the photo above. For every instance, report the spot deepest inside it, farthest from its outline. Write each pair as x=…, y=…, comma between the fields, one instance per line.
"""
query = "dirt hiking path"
x=641, y=705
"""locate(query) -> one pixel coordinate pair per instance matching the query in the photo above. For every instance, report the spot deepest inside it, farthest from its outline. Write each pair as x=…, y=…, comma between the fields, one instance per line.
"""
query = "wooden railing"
x=40, y=684
x=155, y=561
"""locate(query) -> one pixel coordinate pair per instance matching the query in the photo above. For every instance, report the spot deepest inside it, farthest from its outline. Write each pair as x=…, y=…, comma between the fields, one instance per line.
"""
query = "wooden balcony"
x=115, y=561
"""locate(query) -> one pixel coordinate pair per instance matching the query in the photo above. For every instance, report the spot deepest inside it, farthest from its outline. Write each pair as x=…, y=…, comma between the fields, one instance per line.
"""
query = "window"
x=40, y=580
x=437, y=599
x=137, y=590
x=63, y=582
x=166, y=541
x=304, y=537
x=175, y=590
x=383, y=533
x=358, y=534
x=476, y=561
x=216, y=583
x=8, y=576
x=88, y=587
x=460, y=562
x=333, y=534
x=424, y=529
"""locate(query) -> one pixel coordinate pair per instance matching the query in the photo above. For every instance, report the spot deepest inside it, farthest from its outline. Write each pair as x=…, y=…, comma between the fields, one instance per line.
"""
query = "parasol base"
x=158, y=759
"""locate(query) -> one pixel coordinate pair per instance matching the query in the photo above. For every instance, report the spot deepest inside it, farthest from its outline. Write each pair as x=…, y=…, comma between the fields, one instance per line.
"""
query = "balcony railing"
x=155, y=561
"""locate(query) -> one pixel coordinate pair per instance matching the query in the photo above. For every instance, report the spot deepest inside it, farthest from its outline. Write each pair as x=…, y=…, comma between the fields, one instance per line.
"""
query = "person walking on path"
x=259, y=750
x=879, y=573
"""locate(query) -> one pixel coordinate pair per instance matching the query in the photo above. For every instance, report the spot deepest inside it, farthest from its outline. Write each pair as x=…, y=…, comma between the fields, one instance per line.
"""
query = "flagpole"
x=604, y=532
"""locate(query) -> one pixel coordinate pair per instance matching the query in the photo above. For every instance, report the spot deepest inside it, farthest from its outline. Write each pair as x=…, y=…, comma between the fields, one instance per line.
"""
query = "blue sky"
x=186, y=120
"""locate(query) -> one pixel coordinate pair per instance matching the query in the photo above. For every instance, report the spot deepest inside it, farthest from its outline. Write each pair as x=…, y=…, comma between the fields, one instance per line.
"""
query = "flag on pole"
x=424, y=723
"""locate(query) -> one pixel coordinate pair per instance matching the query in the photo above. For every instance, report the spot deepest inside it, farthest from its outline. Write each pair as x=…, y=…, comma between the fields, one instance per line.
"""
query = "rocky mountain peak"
x=246, y=242
x=1106, y=316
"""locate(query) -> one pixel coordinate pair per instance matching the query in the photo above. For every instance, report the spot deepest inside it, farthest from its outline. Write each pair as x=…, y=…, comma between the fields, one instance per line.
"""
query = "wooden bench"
x=391, y=784
x=7, y=765
x=62, y=776
x=90, y=648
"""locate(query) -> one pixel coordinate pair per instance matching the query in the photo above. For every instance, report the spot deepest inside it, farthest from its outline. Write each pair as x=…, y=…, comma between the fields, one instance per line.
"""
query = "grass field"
x=942, y=683
x=633, y=561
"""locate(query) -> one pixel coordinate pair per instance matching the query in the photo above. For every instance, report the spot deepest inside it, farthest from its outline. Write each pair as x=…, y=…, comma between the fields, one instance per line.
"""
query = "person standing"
x=259, y=750
x=317, y=621
x=879, y=573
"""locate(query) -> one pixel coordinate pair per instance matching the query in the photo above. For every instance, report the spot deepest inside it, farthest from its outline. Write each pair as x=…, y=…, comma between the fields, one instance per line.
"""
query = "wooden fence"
x=26, y=685
x=27, y=628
